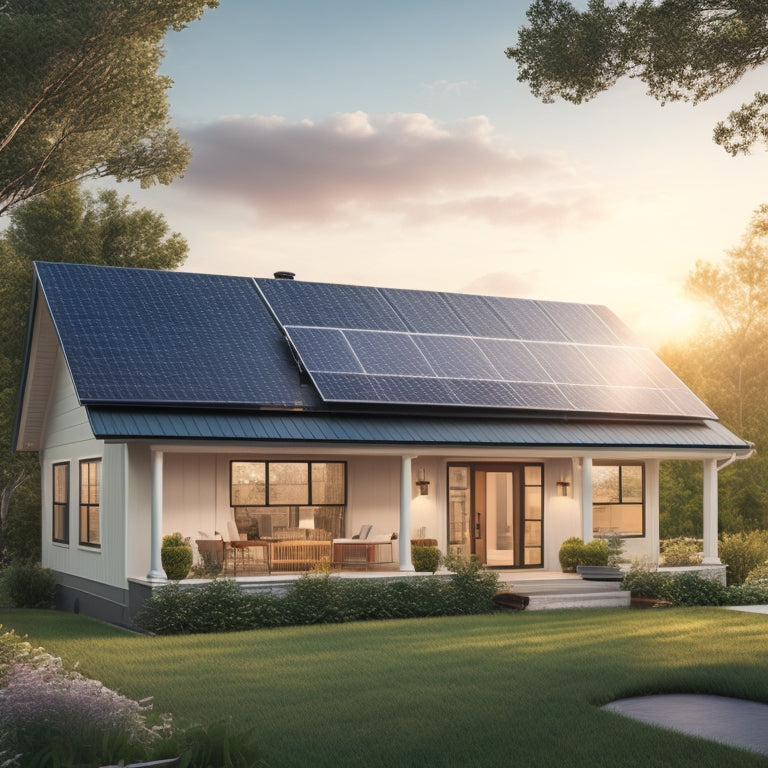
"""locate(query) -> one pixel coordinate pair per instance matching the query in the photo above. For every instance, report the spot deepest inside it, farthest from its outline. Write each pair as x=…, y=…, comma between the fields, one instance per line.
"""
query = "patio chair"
x=211, y=551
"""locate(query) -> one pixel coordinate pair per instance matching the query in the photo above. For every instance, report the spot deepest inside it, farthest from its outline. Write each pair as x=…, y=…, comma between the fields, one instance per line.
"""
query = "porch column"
x=156, y=571
x=404, y=534
x=710, y=513
x=586, y=499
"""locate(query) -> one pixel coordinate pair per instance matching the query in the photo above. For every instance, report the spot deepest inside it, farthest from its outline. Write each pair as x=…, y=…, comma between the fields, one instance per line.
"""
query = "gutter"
x=733, y=457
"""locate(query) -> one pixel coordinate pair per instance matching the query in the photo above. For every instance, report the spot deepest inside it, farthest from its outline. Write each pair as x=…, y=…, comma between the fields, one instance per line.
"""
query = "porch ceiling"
x=121, y=424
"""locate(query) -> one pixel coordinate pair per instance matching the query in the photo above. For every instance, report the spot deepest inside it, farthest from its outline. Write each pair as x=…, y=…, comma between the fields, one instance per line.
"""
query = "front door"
x=496, y=513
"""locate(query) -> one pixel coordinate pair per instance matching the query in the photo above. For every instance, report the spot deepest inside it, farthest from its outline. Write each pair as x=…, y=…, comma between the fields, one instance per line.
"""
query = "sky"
x=390, y=144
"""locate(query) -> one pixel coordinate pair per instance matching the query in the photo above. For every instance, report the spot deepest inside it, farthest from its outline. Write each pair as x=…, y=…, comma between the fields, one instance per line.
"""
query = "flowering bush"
x=49, y=714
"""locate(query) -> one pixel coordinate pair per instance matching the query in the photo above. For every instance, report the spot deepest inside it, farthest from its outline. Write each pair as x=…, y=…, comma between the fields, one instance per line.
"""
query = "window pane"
x=288, y=483
x=90, y=490
x=328, y=483
x=605, y=485
x=620, y=519
x=533, y=503
x=249, y=483
x=533, y=475
x=533, y=556
x=60, y=478
x=632, y=484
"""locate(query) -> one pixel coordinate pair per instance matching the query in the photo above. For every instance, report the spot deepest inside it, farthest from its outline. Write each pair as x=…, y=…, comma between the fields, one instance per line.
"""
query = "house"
x=172, y=401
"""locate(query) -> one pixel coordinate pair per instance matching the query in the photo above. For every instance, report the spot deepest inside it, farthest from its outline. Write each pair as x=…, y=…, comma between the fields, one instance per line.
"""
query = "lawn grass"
x=505, y=689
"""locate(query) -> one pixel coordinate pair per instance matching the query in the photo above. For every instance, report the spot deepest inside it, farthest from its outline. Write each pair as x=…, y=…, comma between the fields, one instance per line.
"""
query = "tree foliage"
x=726, y=364
x=71, y=226
x=81, y=97
x=683, y=50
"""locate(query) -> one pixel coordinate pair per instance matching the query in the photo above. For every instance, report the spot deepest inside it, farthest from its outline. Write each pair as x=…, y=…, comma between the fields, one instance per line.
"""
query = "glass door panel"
x=500, y=517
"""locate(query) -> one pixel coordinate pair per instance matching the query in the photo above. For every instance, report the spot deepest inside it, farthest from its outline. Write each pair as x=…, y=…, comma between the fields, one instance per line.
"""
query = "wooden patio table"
x=244, y=545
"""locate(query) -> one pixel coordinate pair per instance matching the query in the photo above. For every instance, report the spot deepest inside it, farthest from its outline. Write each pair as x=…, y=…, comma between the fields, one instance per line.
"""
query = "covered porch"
x=192, y=492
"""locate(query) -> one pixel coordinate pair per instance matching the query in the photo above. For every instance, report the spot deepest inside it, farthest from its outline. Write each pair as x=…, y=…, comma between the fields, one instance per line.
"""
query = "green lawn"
x=518, y=689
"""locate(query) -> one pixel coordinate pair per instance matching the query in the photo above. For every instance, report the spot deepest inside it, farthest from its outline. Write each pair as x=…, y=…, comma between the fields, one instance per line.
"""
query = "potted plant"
x=176, y=556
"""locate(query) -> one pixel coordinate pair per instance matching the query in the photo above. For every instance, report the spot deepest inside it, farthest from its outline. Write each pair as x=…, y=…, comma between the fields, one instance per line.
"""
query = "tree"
x=72, y=226
x=683, y=50
x=80, y=95
x=726, y=364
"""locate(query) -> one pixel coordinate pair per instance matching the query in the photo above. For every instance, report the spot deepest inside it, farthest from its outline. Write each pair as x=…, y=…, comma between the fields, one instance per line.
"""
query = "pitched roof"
x=134, y=337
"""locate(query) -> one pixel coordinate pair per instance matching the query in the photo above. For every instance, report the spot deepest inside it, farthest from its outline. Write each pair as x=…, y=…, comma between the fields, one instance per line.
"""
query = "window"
x=90, y=507
x=287, y=483
x=61, y=502
x=618, y=499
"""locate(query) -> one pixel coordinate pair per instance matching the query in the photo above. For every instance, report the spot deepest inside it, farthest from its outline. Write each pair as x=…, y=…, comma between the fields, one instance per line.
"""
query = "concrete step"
x=592, y=599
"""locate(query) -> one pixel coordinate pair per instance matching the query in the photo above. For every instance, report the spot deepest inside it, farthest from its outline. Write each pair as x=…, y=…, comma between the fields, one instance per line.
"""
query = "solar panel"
x=324, y=349
x=416, y=348
x=388, y=353
x=525, y=319
x=513, y=360
x=330, y=306
x=456, y=357
x=579, y=323
x=477, y=314
x=565, y=363
x=425, y=312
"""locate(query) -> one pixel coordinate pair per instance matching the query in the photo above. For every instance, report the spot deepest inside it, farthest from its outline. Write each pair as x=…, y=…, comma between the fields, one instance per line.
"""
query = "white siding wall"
x=562, y=514
x=648, y=546
x=69, y=438
x=189, y=494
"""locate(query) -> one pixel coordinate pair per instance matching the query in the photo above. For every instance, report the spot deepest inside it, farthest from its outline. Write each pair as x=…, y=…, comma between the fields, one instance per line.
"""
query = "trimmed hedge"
x=690, y=588
x=221, y=606
x=425, y=558
x=574, y=551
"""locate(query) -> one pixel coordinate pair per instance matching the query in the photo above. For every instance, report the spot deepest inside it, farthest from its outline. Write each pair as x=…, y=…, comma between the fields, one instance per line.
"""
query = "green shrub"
x=758, y=575
x=425, y=558
x=169, y=611
x=570, y=553
x=218, y=744
x=615, y=545
x=471, y=589
x=221, y=605
x=27, y=585
x=574, y=552
x=642, y=582
x=595, y=552
x=176, y=556
x=691, y=588
x=742, y=552
x=681, y=552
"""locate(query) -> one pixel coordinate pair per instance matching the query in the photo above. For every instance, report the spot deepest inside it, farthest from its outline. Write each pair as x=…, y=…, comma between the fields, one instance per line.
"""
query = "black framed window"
x=60, y=497
x=288, y=483
x=90, y=502
x=618, y=499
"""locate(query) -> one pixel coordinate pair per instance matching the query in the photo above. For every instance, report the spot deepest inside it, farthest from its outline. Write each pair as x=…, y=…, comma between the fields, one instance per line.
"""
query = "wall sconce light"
x=423, y=484
x=562, y=487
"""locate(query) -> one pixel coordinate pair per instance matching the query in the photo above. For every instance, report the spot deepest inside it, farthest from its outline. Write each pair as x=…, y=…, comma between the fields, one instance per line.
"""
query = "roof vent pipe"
x=282, y=275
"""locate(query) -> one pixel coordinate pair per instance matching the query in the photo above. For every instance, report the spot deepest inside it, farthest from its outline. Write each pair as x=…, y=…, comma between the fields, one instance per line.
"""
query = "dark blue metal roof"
x=166, y=424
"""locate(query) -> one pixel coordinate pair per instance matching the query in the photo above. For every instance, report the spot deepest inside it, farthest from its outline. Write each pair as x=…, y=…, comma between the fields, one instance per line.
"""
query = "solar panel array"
x=422, y=348
x=155, y=337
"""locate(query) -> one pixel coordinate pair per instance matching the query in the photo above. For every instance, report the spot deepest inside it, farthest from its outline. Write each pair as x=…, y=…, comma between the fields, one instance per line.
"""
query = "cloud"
x=446, y=86
x=354, y=165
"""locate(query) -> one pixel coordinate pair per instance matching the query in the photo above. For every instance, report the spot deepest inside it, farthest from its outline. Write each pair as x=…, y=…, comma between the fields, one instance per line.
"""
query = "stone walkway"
x=734, y=722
